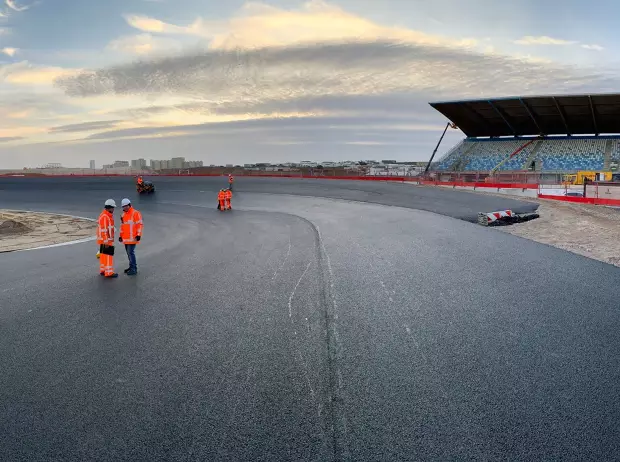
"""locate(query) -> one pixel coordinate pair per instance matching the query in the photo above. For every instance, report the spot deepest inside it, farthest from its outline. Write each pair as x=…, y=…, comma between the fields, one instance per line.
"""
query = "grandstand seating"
x=615, y=150
x=448, y=160
x=560, y=154
x=570, y=155
x=488, y=154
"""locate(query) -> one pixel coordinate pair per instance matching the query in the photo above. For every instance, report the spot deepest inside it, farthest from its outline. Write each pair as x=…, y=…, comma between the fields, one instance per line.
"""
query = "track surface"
x=304, y=328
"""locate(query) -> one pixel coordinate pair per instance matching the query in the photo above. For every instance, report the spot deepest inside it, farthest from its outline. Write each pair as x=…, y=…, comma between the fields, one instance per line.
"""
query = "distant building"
x=159, y=164
x=139, y=164
x=92, y=165
x=108, y=166
x=121, y=163
x=52, y=165
x=192, y=164
x=177, y=163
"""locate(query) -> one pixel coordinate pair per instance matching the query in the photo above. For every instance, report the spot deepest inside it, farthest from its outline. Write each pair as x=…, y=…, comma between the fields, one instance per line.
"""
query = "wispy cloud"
x=592, y=47
x=25, y=73
x=85, y=126
x=15, y=7
x=143, y=44
x=274, y=126
x=543, y=40
x=259, y=25
x=6, y=139
x=8, y=51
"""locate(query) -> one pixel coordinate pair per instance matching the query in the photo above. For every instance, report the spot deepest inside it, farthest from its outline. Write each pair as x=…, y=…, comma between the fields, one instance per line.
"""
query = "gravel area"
x=588, y=230
x=21, y=230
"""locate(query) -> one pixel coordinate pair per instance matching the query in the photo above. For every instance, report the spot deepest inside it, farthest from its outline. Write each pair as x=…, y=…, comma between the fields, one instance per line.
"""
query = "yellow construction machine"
x=582, y=175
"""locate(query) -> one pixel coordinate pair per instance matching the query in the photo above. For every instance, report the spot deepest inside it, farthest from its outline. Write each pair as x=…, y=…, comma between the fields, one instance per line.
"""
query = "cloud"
x=25, y=73
x=219, y=78
x=258, y=25
x=147, y=24
x=143, y=44
x=8, y=51
x=6, y=139
x=592, y=47
x=276, y=126
x=85, y=126
x=543, y=40
x=15, y=7
x=408, y=104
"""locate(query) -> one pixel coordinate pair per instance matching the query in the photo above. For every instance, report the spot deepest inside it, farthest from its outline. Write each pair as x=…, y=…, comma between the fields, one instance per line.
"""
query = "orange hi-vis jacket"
x=221, y=196
x=228, y=195
x=105, y=231
x=131, y=226
x=230, y=179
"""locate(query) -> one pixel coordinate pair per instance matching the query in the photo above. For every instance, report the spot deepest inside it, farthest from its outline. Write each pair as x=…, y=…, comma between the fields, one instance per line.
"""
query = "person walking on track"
x=228, y=198
x=105, y=239
x=231, y=180
x=131, y=234
x=221, y=200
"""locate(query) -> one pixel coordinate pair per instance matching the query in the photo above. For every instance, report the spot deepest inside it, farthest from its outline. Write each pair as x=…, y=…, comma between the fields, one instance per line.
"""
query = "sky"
x=280, y=81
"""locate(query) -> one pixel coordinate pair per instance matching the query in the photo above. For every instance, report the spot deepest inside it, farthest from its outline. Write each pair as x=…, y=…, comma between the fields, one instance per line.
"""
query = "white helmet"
x=110, y=203
x=125, y=202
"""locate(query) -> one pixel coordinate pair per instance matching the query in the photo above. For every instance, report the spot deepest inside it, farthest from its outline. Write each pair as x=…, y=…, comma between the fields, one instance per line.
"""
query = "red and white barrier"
x=494, y=216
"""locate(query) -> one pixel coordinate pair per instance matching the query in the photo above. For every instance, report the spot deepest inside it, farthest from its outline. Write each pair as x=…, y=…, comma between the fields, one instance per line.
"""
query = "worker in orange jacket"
x=228, y=198
x=230, y=181
x=221, y=200
x=131, y=234
x=105, y=239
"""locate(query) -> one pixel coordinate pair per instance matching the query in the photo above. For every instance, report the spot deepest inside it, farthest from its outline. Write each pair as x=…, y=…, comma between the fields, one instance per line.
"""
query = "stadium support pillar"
x=430, y=161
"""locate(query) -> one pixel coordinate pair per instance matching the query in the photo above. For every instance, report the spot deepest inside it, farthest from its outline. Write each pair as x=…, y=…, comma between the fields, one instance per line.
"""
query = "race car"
x=146, y=187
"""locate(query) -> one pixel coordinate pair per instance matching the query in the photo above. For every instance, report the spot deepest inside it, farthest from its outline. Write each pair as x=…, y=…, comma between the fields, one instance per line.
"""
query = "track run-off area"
x=320, y=320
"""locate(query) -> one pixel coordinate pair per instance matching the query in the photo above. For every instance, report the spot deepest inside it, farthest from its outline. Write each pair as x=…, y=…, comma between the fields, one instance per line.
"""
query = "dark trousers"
x=131, y=254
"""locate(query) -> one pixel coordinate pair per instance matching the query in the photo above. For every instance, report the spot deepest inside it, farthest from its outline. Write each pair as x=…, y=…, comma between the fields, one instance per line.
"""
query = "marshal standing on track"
x=131, y=234
x=105, y=239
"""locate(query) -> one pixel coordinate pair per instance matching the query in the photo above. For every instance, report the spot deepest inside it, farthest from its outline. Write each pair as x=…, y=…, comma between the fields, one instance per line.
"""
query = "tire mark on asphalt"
x=288, y=253
x=301, y=357
x=334, y=350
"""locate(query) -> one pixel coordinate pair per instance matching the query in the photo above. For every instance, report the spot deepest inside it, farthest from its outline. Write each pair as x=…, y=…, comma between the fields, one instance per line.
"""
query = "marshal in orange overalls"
x=105, y=236
x=228, y=198
x=221, y=197
x=131, y=226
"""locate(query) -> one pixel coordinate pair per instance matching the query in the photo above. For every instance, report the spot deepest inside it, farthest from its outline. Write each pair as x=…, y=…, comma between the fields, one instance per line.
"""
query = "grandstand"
x=561, y=134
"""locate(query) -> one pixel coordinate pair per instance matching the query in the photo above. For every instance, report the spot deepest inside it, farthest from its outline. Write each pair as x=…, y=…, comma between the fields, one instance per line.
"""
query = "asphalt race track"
x=319, y=320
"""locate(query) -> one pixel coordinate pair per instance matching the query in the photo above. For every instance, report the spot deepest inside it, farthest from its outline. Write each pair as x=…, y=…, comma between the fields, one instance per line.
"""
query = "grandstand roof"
x=535, y=115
